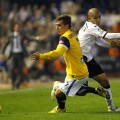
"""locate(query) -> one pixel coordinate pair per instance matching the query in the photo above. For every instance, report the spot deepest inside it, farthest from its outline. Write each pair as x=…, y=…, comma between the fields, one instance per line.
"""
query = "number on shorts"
x=67, y=83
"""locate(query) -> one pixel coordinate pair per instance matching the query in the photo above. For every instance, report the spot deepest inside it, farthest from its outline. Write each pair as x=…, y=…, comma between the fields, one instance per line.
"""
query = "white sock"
x=109, y=91
x=110, y=100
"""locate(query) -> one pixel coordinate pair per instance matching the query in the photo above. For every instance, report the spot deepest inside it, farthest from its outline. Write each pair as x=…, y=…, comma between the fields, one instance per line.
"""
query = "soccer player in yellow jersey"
x=76, y=69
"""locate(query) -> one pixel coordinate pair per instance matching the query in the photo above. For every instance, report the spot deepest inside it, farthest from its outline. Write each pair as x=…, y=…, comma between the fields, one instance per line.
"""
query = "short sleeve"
x=97, y=31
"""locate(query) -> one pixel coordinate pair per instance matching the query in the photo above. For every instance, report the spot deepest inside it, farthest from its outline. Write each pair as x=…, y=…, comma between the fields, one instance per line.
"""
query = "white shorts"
x=71, y=87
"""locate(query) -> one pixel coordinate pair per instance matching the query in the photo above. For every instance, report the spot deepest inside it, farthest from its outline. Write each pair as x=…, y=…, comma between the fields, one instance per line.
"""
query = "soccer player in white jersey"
x=89, y=35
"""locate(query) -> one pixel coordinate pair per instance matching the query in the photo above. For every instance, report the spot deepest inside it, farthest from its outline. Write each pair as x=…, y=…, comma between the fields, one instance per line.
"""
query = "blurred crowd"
x=38, y=19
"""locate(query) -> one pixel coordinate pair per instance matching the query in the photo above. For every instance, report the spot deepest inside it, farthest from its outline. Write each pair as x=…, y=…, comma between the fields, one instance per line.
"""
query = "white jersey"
x=88, y=36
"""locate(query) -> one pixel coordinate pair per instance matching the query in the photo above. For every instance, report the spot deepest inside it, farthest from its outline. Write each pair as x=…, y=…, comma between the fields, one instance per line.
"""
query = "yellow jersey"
x=69, y=47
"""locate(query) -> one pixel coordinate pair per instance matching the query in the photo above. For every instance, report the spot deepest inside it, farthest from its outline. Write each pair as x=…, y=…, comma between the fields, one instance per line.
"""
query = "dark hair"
x=66, y=19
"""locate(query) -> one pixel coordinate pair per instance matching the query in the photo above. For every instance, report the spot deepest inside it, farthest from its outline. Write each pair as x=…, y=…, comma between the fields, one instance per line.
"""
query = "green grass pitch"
x=34, y=104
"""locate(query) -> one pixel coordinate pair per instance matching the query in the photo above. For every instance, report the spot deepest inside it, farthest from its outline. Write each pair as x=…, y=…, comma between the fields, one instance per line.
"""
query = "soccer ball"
x=56, y=85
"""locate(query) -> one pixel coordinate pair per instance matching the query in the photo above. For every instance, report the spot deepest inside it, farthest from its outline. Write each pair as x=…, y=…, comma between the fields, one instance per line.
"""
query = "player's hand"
x=115, y=43
x=35, y=56
x=40, y=37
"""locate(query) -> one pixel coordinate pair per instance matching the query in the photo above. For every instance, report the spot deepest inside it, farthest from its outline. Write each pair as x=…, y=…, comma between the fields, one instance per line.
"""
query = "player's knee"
x=82, y=91
x=58, y=92
x=60, y=95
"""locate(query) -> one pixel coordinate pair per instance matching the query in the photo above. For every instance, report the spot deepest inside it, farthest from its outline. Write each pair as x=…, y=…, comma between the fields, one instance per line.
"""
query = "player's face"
x=17, y=28
x=96, y=19
x=61, y=28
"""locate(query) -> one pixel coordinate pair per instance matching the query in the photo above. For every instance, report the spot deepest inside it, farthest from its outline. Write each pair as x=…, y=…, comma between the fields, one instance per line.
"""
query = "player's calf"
x=61, y=98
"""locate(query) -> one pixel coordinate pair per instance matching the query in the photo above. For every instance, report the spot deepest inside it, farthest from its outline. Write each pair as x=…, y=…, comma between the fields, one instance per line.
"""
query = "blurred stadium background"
x=38, y=16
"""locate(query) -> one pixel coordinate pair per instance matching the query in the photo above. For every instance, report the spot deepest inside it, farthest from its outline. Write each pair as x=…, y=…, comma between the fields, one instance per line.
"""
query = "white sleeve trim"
x=97, y=31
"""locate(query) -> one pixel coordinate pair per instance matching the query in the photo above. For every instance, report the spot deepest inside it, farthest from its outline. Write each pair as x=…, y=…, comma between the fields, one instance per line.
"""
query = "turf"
x=34, y=104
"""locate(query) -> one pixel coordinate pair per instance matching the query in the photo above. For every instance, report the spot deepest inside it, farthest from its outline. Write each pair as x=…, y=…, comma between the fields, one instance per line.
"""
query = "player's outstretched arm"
x=107, y=43
x=103, y=43
x=60, y=50
x=112, y=36
x=115, y=42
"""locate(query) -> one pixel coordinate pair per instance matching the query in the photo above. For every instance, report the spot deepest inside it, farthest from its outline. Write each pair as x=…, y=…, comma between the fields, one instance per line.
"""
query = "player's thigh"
x=94, y=68
x=70, y=87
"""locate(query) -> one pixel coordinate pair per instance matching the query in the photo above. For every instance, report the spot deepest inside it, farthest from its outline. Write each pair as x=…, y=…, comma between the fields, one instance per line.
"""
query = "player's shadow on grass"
x=93, y=112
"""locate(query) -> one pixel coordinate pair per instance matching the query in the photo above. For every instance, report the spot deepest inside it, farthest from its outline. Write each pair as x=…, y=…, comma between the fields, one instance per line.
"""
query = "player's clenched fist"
x=35, y=56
